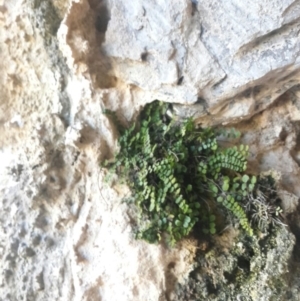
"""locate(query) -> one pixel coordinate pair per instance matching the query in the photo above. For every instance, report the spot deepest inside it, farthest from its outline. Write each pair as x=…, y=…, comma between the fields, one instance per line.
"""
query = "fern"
x=176, y=169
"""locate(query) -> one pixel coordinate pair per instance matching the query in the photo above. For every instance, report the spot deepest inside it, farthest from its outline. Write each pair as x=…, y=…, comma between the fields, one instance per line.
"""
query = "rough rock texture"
x=223, y=53
x=248, y=270
x=234, y=59
x=65, y=235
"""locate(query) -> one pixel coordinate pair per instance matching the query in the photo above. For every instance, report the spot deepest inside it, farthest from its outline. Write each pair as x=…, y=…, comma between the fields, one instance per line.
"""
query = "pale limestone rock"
x=64, y=235
x=237, y=56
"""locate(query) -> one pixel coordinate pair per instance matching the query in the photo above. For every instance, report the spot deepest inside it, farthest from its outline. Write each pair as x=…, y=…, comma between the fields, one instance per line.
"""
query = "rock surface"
x=247, y=271
x=64, y=234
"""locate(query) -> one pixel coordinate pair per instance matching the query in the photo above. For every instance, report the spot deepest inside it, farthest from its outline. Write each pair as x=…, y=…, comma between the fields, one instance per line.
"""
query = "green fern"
x=174, y=169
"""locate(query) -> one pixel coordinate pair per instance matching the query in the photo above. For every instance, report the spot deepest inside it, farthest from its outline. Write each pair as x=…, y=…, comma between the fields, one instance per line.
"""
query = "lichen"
x=252, y=269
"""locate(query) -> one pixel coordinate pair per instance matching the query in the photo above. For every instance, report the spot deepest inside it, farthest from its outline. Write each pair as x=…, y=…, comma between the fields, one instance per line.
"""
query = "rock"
x=241, y=272
x=65, y=235
x=195, y=51
x=238, y=57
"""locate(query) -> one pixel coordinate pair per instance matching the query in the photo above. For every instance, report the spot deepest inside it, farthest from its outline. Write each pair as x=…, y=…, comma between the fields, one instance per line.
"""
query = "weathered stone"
x=238, y=57
x=64, y=234
x=247, y=270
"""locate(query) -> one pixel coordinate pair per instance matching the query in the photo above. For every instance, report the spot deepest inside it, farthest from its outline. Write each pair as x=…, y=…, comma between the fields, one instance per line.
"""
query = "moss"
x=247, y=272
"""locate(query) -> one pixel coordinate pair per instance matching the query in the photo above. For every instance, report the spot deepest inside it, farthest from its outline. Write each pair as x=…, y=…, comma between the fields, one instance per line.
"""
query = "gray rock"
x=64, y=234
x=238, y=56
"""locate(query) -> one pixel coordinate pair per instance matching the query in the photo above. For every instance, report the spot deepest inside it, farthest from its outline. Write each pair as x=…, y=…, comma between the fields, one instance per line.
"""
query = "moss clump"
x=253, y=269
